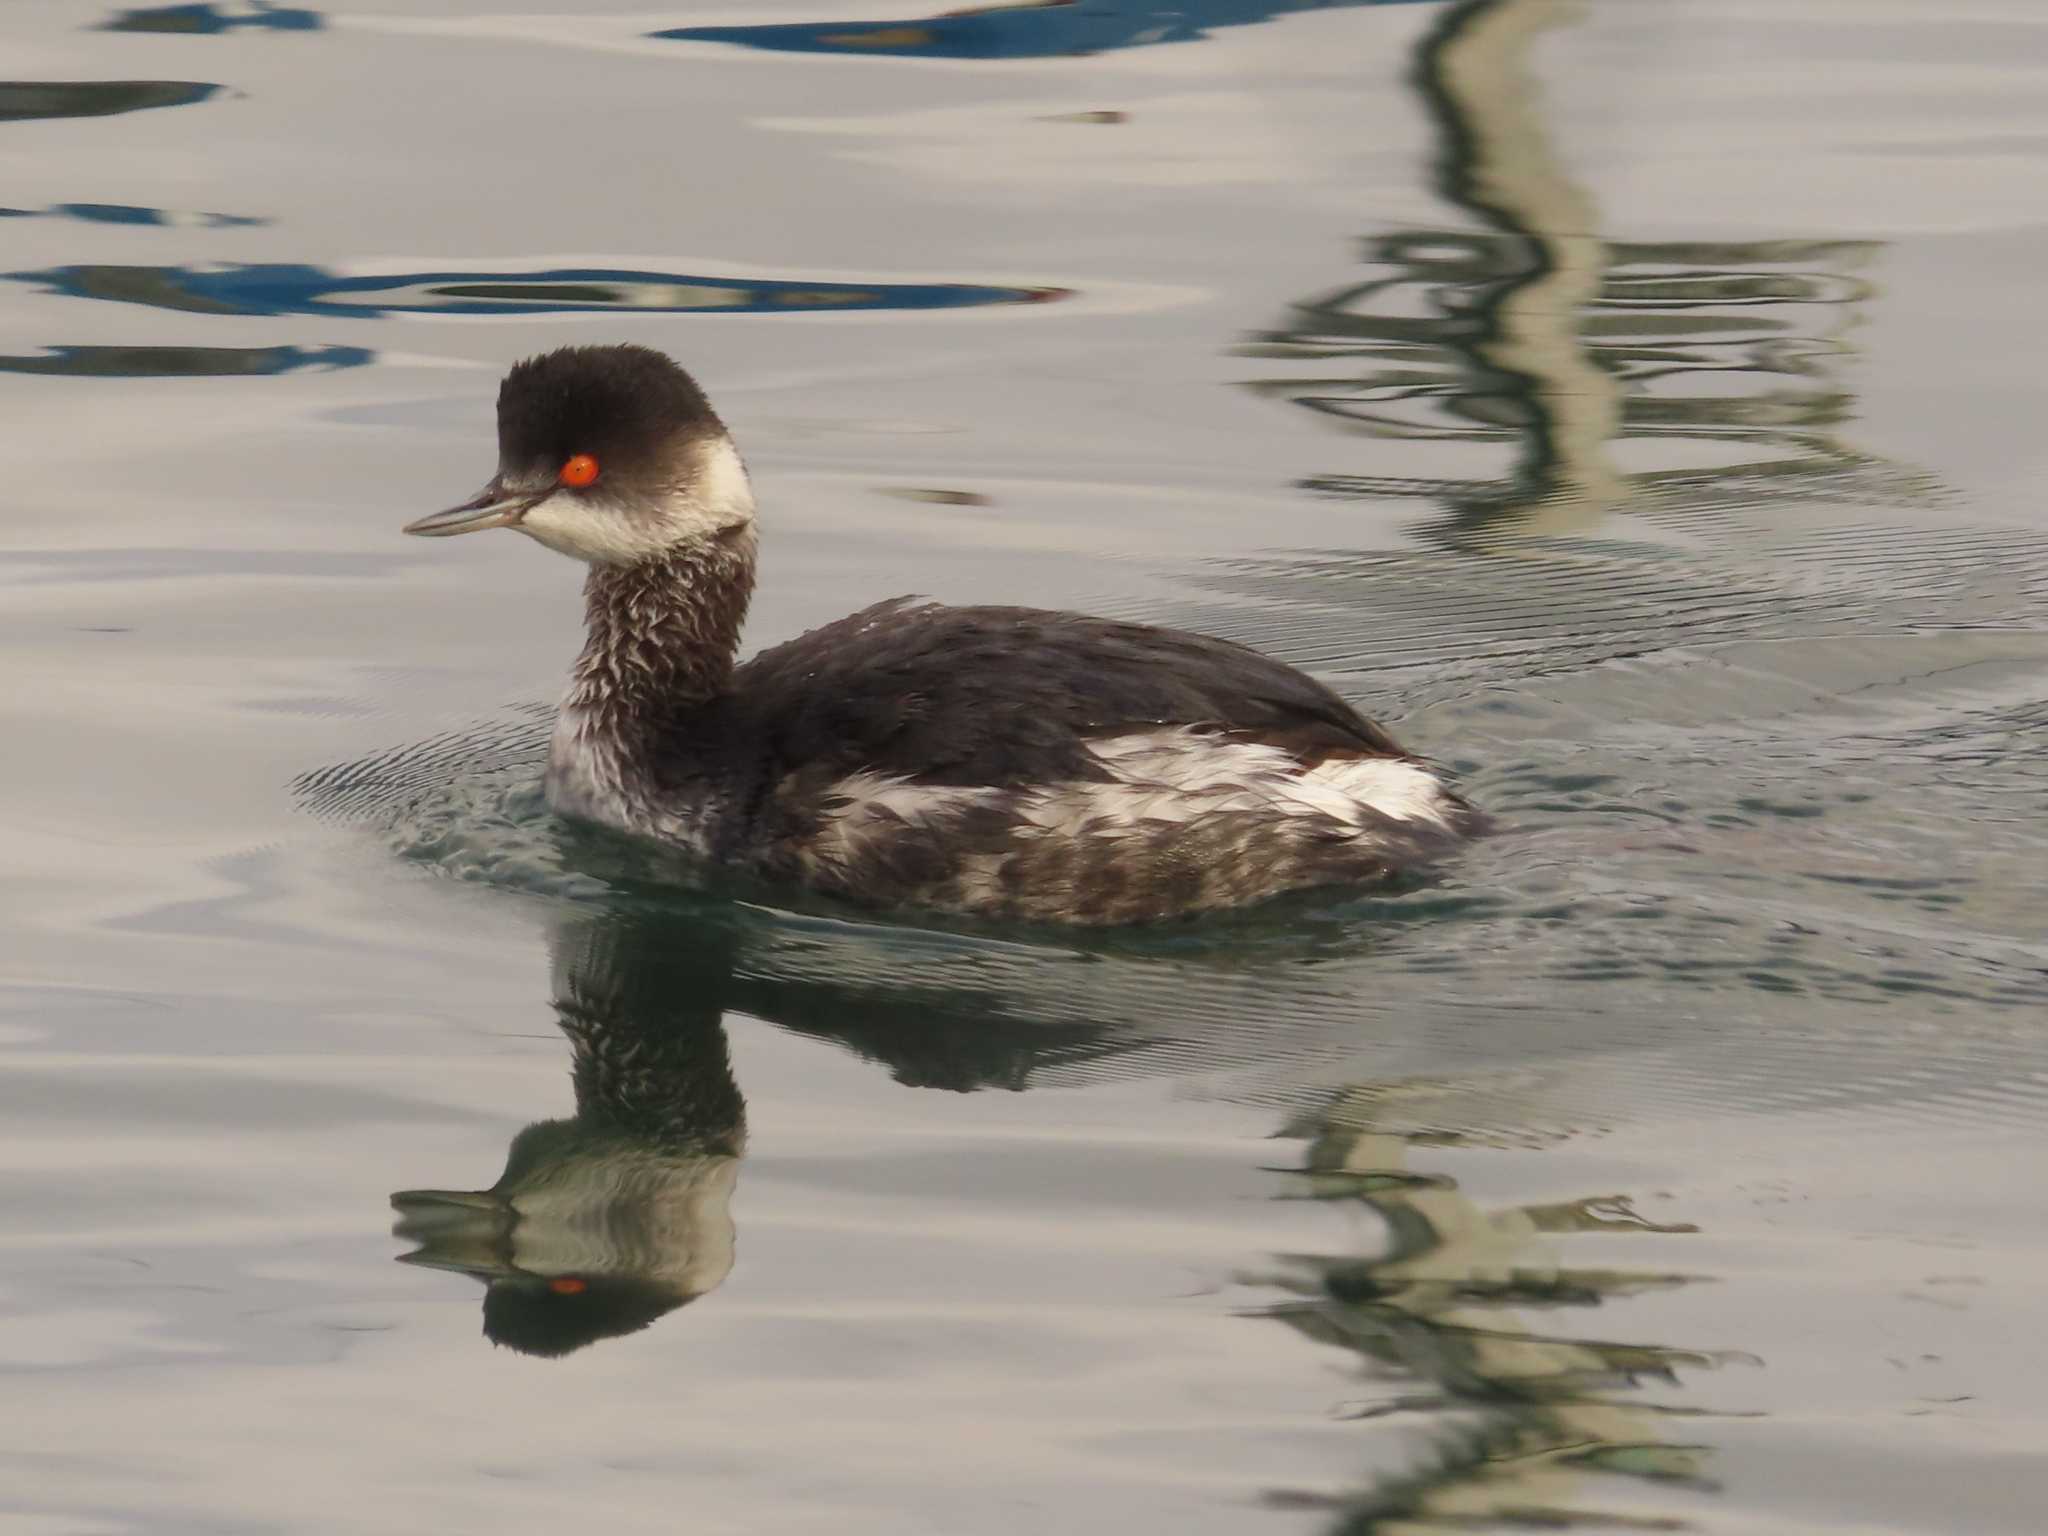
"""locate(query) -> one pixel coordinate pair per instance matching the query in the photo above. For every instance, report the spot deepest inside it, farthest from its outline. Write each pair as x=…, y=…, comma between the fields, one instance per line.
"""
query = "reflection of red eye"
x=567, y=1285
x=579, y=471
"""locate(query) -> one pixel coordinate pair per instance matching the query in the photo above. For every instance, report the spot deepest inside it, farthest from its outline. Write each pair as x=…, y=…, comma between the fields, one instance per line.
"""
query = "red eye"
x=568, y=1285
x=579, y=472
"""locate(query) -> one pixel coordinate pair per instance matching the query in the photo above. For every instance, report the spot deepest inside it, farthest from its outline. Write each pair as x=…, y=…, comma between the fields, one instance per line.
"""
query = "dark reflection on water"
x=131, y=213
x=1540, y=334
x=213, y=18
x=606, y=1221
x=1522, y=1415
x=288, y=289
x=1050, y=29
x=22, y=100
x=183, y=362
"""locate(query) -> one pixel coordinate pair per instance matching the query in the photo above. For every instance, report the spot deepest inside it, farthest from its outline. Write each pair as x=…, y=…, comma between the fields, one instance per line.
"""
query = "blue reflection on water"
x=1016, y=31
x=290, y=288
x=210, y=18
x=182, y=362
x=134, y=213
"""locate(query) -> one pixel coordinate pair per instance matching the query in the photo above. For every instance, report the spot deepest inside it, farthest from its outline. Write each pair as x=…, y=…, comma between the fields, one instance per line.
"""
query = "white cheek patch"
x=720, y=492
x=599, y=531
x=587, y=529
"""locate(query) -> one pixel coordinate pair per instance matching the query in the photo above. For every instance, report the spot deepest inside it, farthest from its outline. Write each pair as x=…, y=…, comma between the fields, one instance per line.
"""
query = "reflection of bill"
x=288, y=289
x=1050, y=29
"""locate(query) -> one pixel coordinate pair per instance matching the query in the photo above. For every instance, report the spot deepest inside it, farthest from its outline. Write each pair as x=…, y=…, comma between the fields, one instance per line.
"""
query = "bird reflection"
x=605, y=1221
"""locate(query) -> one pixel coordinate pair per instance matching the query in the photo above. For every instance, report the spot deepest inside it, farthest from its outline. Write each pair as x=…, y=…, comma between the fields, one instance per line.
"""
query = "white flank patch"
x=1161, y=776
x=1403, y=791
x=1180, y=774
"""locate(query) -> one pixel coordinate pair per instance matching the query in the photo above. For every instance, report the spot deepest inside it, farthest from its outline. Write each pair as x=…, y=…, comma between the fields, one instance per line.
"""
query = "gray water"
x=1636, y=405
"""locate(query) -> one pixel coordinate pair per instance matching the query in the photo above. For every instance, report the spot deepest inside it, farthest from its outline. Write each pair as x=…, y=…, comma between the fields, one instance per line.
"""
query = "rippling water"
x=1634, y=405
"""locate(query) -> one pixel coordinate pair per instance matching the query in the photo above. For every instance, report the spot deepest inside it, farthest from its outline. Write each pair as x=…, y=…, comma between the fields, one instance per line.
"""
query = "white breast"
x=587, y=780
x=583, y=778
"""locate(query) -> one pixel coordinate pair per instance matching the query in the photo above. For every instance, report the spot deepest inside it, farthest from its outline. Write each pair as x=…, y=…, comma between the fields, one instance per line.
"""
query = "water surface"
x=1633, y=405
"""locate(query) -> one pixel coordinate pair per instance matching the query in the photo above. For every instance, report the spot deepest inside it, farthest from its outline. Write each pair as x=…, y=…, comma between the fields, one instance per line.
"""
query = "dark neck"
x=662, y=634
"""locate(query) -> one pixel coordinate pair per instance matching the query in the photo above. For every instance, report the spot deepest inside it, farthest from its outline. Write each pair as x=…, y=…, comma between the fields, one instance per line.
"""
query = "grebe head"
x=609, y=454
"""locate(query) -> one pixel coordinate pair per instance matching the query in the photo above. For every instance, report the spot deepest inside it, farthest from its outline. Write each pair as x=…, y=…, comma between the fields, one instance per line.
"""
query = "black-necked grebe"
x=1000, y=762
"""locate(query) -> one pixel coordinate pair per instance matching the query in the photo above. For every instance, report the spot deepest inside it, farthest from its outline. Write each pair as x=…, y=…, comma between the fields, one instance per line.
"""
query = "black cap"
x=630, y=408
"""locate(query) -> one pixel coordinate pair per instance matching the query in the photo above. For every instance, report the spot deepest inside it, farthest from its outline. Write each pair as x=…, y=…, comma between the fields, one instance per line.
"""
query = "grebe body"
x=992, y=761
